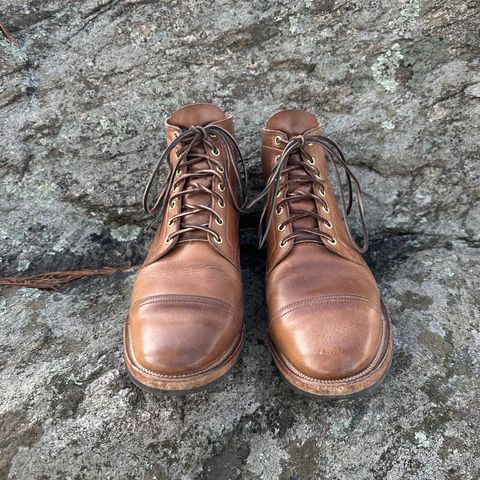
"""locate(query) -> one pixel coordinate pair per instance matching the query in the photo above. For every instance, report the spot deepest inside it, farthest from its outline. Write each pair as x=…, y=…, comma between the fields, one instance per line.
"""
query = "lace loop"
x=284, y=165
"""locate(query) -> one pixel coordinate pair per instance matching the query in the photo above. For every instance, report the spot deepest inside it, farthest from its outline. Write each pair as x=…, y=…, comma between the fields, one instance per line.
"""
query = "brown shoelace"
x=192, y=141
x=286, y=165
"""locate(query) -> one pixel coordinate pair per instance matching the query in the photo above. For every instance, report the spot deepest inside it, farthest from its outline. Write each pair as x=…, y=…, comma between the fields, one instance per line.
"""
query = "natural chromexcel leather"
x=185, y=325
x=328, y=331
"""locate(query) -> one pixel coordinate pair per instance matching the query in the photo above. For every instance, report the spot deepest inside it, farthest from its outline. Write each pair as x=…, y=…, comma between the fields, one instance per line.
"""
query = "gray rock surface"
x=82, y=103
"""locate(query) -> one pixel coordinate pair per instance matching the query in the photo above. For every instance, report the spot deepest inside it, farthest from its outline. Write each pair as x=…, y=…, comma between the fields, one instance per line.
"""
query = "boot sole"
x=356, y=386
x=158, y=384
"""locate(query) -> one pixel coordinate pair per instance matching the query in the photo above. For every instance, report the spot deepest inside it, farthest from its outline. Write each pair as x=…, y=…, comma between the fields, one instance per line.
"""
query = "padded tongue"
x=197, y=114
x=292, y=122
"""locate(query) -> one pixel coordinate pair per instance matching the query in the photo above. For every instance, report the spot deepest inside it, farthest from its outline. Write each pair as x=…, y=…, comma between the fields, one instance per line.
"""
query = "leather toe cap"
x=180, y=335
x=328, y=338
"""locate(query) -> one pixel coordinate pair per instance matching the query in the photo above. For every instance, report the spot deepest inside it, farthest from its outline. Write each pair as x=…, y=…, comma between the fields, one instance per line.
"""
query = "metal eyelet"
x=212, y=135
x=282, y=244
x=221, y=203
x=332, y=241
x=179, y=172
x=215, y=152
x=175, y=134
x=325, y=209
x=319, y=178
x=328, y=224
x=221, y=187
x=278, y=140
x=281, y=228
x=279, y=211
x=172, y=204
x=277, y=158
x=168, y=240
x=218, y=240
x=219, y=221
x=220, y=169
x=171, y=222
x=310, y=144
x=321, y=192
x=279, y=193
x=311, y=161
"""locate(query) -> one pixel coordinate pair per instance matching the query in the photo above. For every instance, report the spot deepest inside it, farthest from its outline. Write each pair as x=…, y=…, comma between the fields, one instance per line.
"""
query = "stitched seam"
x=186, y=375
x=368, y=369
x=167, y=297
x=333, y=300
x=225, y=308
x=326, y=297
x=182, y=302
x=189, y=299
x=318, y=301
x=205, y=301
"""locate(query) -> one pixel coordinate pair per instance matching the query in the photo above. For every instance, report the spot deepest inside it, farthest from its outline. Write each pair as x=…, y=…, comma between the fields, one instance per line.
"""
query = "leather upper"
x=324, y=308
x=186, y=306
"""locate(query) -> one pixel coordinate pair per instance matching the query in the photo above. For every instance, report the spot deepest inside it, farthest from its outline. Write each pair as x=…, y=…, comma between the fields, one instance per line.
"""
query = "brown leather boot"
x=330, y=332
x=185, y=327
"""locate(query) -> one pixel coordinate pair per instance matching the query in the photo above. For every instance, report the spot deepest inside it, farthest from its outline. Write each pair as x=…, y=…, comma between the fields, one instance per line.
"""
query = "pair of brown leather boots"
x=330, y=333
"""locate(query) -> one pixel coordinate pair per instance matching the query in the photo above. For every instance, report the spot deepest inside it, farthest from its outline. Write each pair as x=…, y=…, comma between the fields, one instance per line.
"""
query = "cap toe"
x=328, y=338
x=181, y=336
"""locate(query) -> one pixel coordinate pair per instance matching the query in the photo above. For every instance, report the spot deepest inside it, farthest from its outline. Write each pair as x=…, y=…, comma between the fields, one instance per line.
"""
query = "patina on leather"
x=185, y=327
x=329, y=331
